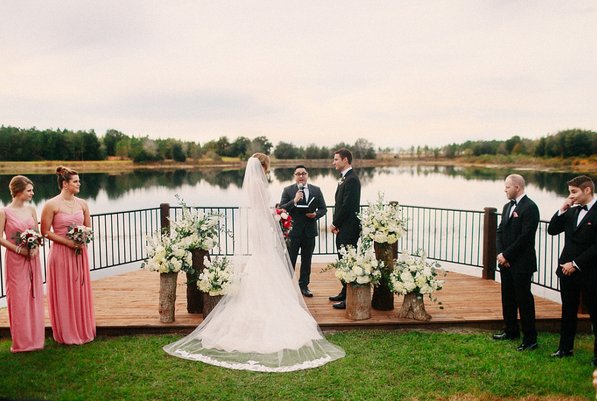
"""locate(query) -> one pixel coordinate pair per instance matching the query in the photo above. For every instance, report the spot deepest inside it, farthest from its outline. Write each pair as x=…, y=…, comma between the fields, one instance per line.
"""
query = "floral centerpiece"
x=414, y=276
x=216, y=278
x=357, y=265
x=383, y=224
x=80, y=234
x=165, y=255
x=285, y=221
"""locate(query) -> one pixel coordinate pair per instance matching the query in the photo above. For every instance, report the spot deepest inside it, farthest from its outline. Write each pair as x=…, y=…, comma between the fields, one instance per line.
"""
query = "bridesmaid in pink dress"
x=70, y=300
x=24, y=287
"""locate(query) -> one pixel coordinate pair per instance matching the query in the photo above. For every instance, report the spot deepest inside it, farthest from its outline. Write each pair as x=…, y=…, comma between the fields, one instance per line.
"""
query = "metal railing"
x=462, y=237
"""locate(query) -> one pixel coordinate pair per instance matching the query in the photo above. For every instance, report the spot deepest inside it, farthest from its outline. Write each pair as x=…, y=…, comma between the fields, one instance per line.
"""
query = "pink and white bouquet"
x=82, y=235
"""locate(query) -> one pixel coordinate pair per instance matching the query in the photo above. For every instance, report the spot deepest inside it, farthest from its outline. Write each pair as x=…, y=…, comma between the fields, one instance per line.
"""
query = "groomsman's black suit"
x=348, y=202
x=516, y=242
x=304, y=229
x=580, y=247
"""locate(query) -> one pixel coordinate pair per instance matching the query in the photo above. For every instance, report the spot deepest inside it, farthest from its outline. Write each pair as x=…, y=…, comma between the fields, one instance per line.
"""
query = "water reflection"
x=159, y=186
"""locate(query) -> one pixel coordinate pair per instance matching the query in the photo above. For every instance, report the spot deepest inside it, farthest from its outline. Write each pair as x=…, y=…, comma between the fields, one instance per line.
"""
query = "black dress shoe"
x=306, y=292
x=527, y=347
x=561, y=354
x=505, y=336
x=339, y=297
x=340, y=305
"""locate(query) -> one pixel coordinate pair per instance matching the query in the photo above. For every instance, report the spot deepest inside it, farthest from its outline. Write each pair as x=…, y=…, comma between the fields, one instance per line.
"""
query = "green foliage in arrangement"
x=379, y=365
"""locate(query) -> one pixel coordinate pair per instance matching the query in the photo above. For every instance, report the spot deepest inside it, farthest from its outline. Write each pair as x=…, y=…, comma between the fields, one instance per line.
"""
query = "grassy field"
x=380, y=365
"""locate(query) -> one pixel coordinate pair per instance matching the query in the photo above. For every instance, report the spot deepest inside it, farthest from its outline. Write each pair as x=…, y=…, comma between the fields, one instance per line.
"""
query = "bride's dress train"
x=263, y=324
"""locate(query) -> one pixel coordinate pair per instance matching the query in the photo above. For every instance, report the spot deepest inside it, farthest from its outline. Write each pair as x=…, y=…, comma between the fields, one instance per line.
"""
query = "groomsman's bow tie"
x=584, y=207
x=513, y=202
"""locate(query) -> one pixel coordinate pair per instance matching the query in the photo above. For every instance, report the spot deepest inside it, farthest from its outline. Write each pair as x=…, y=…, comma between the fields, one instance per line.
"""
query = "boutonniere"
x=341, y=180
x=514, y=214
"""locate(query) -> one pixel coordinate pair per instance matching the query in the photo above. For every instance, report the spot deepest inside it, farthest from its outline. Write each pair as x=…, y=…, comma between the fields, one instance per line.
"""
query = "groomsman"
x=345, y=224
x=305, y=204
x=517, y=261
x=577, y=269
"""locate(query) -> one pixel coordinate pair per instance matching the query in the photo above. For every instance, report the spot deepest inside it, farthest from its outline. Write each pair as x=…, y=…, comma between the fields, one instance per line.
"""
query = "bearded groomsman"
x=517, y=261
x=577, y=269
x=305, y=204
x=345, y=224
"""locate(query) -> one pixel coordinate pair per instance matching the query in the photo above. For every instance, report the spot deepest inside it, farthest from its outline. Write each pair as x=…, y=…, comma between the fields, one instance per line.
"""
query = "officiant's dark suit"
x=577, y=264
x=517, y=261
x=305, y=211
x=345, y=223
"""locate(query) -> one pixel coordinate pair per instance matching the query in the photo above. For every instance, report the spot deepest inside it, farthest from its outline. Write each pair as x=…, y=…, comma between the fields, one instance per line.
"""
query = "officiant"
x=305, y=204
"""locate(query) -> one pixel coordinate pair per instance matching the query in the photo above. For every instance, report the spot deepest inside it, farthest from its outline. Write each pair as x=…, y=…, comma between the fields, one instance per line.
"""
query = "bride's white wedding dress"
x=263, y=324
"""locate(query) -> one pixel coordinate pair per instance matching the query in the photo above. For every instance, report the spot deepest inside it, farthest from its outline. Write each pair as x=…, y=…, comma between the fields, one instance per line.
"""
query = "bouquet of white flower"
x=358, y=266
x=165, y=255
x=29, y=239
x=382, y=223
x=414, y=274
x=216, y=278
x=196, y=230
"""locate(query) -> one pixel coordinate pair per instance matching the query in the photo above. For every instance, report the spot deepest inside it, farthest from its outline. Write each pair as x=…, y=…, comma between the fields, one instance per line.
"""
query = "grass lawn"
x=380, y=365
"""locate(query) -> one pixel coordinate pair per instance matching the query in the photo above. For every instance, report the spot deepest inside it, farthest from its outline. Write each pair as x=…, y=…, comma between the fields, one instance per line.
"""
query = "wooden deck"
x=128, y=304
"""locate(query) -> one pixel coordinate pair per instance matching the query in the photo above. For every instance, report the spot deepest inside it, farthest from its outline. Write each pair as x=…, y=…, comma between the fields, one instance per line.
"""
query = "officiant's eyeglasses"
x=305, y=173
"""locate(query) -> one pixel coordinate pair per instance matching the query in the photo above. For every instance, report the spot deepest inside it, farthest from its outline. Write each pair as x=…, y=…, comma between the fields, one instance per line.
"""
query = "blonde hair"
x=18, y=184
x=64, y=175
x=263, y=159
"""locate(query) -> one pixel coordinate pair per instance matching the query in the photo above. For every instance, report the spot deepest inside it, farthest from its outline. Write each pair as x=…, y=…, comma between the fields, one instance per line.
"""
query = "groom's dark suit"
x=516, y=242
x=580, y=247
x=348, y=202
x=304, y=229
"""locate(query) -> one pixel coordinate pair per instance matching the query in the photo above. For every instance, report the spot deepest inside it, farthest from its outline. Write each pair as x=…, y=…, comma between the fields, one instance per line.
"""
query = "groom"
x=305, y=204
x=345, y=224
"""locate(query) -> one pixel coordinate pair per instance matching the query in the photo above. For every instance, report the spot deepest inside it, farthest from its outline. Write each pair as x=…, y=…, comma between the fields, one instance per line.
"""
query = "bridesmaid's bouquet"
x=80, y=234
x=30, y=239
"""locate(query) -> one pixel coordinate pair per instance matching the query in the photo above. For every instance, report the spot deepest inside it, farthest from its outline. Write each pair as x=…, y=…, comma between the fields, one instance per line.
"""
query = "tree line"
x=18, y=144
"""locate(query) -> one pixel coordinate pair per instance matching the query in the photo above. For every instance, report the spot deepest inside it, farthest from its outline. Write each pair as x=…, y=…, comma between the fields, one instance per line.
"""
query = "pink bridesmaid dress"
x=70, y=300
x=24, y=291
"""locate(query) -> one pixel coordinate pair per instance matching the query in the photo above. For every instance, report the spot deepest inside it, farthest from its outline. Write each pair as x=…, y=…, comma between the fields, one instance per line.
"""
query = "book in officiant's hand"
x=309, y=207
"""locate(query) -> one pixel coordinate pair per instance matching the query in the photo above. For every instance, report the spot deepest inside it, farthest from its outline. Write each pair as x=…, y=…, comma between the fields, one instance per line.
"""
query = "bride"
x=263, y=324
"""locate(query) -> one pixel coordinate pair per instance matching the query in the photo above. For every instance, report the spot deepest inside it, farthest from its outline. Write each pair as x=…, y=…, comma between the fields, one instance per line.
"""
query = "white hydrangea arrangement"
x=196, y=230
x=165, y=255
x=358, y=265
x=382, y=223
x=414, y=274
x=216, y=278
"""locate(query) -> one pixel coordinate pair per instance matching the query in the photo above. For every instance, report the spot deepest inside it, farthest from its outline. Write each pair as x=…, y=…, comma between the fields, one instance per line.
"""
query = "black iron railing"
x=461, y=237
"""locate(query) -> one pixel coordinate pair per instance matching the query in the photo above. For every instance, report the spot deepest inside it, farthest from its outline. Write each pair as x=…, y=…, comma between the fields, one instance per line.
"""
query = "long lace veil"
x=263, y=324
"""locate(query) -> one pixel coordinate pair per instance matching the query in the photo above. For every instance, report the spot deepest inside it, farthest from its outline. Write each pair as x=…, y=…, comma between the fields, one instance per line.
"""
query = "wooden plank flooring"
x=128, y=304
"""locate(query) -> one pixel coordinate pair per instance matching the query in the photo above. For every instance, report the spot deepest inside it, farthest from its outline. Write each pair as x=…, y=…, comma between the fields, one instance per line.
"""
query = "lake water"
x=433, y=186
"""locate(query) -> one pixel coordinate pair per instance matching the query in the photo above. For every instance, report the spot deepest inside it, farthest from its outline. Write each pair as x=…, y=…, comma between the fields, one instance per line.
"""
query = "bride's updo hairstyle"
x=263, y=159
x=64, y=175
x=18, y=184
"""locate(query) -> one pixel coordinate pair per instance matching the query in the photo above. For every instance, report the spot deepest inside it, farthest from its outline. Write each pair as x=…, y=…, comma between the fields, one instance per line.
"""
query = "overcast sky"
x=398, y=73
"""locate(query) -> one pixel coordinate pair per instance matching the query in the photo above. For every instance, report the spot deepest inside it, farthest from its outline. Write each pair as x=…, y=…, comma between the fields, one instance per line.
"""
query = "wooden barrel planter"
x=194, y=295
x=358, y=301
x=383, y=297
x=209, y=303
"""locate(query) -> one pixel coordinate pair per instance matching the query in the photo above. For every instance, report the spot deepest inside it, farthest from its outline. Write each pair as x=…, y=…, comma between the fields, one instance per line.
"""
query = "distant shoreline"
x=579, y=165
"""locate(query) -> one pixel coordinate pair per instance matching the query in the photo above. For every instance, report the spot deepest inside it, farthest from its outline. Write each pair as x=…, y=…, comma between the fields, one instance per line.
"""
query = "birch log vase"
x=383, y=297
x=209, y=303
x=167, y=296
x=194, y=295
x=358, y=301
